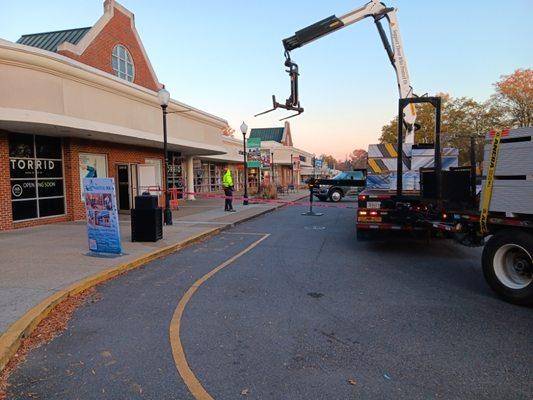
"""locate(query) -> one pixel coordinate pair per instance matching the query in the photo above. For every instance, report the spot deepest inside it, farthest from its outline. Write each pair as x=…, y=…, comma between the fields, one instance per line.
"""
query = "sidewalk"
x=38, y=262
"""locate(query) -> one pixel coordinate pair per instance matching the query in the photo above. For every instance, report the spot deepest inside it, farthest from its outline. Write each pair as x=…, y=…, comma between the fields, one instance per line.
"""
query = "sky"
x=226, y=57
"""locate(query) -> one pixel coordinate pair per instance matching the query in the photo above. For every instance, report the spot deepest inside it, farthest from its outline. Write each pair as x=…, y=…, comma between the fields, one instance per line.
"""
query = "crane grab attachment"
x=376, y=10
x=293, y=102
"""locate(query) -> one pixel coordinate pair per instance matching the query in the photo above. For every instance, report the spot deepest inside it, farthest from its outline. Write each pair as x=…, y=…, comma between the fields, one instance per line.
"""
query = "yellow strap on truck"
x=489, y=182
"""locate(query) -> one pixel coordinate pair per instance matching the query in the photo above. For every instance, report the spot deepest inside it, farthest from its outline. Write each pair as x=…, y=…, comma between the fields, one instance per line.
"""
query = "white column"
x=189, y=165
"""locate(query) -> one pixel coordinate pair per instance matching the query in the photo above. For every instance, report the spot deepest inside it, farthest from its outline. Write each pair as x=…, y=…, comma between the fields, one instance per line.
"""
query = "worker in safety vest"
x=227, y=183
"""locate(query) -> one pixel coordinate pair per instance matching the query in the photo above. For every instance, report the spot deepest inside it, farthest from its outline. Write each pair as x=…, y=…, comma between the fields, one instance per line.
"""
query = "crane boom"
x=394, y=49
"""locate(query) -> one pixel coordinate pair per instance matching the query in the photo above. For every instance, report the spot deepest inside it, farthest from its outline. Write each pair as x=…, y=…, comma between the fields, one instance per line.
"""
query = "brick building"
x=287, y=162
x=83, y=102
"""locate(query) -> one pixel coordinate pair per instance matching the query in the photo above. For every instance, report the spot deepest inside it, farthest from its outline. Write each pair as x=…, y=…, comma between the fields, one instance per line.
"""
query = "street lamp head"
x=164, y=97
x=244, y=128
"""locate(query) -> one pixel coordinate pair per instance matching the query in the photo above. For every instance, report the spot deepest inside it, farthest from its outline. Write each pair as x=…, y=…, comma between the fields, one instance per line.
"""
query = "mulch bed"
x=49, y=328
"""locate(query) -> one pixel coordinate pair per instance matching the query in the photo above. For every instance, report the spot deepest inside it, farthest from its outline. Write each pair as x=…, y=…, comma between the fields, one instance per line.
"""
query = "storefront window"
x=208, y=176
x=175, y=172
x=36, y=172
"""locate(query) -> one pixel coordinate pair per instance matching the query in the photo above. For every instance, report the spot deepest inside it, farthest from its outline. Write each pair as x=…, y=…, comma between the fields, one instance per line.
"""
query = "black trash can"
x=146, y=220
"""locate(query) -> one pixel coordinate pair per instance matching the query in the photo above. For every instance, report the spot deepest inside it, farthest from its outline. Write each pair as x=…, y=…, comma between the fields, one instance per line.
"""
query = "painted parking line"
x=244, y=233
x=180, y=359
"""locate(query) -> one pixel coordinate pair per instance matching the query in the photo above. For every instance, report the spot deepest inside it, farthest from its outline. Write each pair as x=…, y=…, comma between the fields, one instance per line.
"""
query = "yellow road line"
x=244, y=233
x=180, y=359
x=23, y=327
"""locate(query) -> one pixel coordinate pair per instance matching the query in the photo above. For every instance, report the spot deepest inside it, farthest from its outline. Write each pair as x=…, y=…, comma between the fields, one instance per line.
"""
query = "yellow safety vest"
x=227, y=180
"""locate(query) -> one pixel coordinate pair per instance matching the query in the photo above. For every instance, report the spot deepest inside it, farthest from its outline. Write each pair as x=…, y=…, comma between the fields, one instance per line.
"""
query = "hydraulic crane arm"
x=394, y=49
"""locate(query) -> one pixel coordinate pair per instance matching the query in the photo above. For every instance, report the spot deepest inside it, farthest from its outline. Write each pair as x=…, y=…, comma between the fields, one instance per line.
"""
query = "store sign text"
x=41, y=165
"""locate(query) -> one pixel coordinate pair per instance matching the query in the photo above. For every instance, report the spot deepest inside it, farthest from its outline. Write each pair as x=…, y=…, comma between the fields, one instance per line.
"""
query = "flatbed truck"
x=507, y=256
x=507, y=236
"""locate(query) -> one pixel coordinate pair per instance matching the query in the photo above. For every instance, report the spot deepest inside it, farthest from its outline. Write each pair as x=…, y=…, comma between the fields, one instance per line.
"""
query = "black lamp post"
x=244, y=129
x=273, y=168
x=164, y=98
x=292, y=170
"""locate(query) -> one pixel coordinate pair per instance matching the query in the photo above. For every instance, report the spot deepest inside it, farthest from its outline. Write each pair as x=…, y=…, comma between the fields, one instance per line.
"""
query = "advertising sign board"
x=265, y=159
x=103, y=228
x=254, y=153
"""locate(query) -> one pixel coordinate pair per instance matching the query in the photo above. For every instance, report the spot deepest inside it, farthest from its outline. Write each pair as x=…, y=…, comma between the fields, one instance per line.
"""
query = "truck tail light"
x=371, y=213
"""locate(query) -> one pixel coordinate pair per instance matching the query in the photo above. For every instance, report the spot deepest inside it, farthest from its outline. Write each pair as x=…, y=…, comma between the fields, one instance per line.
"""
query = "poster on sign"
x=103, y=228
x=254, y=153
x=265, y=159
x=92, y=166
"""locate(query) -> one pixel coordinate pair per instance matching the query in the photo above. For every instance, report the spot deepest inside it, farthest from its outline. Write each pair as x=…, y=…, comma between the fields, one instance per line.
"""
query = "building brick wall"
x=98, y=53
x=72, y=147
x=5, y=187
x=115, y=153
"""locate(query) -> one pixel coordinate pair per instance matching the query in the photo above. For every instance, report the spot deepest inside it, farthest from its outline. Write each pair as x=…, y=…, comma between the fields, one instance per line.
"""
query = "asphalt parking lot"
x=293, y=308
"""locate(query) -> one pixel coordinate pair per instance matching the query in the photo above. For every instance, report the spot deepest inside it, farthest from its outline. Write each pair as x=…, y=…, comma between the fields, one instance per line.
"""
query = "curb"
x=23, y=327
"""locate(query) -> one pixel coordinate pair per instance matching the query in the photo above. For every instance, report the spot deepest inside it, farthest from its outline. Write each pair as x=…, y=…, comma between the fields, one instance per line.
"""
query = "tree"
x=466, y=118
x=514, y=93
x=461, y=118
x=358, y=158
x=228, y=131
x=425, y=117
x=329, y=160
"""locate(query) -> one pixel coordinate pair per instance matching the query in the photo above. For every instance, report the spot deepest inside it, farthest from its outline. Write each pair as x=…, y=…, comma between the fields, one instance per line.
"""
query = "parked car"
x=347, y=183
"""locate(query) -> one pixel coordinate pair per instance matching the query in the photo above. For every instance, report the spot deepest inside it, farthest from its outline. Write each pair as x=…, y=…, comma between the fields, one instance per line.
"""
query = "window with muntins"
x=123, y=63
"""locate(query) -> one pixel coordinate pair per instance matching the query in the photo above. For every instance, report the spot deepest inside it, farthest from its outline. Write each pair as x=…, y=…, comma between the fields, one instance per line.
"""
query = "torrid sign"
x=26, y=168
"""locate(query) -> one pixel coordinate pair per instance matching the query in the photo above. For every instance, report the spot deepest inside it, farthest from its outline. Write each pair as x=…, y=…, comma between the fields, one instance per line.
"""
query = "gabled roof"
x=266, y=134
x=50, y=40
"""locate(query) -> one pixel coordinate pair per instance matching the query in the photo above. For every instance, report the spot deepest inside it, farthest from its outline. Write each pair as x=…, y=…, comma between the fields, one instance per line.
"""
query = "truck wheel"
x=508, y=266
x=335, y=196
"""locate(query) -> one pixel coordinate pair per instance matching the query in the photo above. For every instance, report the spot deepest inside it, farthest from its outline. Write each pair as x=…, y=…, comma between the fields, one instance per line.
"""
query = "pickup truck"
x=347, y=183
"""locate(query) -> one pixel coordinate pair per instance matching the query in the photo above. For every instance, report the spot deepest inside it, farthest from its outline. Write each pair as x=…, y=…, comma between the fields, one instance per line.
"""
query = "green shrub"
x=269, y=191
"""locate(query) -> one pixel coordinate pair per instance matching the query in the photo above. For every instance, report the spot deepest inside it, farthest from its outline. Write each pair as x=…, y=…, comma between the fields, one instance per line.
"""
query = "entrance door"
x=134, y=180
x=123, y=183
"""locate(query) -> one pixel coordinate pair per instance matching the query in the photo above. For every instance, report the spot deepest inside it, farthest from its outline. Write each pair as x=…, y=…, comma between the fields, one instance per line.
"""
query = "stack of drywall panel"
x=513, y=185
x=382, y=158
x=410, y=181
x=425, y=158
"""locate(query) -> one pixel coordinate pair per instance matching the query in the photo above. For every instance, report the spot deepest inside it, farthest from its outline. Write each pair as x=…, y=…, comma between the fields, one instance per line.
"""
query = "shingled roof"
x=50, y=40
x=268, y=134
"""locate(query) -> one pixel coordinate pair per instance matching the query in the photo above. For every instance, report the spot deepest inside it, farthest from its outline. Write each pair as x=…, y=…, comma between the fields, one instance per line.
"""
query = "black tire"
x=504, y=252
x=335, y=195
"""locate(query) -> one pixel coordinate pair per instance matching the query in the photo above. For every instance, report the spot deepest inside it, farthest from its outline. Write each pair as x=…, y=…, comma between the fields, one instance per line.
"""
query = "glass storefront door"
x=123, y=187
x=175, y=173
